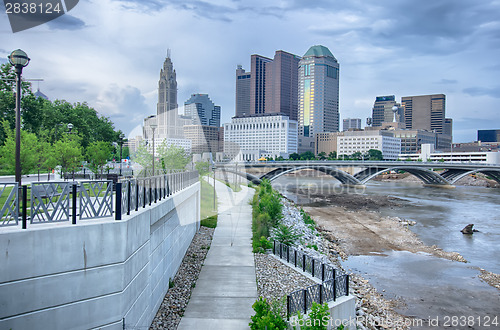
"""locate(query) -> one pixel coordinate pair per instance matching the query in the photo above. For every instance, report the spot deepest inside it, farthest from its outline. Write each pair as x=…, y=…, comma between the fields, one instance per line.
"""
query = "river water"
x=432, y=288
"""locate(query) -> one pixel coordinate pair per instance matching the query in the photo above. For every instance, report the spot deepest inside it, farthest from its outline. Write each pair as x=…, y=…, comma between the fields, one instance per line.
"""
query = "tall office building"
x=425, y=112
x=242, y=92
x=270, y=87
x=318, y=95
x=351, y=123
x=382, y=110
x=202, y=110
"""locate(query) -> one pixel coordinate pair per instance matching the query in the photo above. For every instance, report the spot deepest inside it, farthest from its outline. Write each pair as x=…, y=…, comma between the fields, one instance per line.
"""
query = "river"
x=428, y=287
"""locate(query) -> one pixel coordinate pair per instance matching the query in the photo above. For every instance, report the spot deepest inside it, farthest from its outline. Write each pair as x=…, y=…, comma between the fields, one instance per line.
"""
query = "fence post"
x=274, y=247
x=321, y=294
x=287, y=254
x=73, y=215
x=305, y=301
x=295, y=258
x=150, y=191
x=137, y=194
x=312, y=268
x=334, y=288
x=24, y=197
x=144, y=195
x=347, y=285
x=323, y=272
x=118, y=196
x=288, y=307
x=303, y=262
x=281, y=250
x=129, y=199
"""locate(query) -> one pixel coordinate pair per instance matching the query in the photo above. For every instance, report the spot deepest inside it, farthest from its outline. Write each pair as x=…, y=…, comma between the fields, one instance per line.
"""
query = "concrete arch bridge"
x=360, y=172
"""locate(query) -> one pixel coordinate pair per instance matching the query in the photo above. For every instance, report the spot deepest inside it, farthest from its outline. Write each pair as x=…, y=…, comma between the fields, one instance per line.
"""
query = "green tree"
x=28, y=148
x=322, y=155
x=173, y=157
x=332, y=155
x=97, y=155
x=308, y=155
x=202, y=167
x=374, y=154
x=294, y=156
x=143, y=157
x=67, y=154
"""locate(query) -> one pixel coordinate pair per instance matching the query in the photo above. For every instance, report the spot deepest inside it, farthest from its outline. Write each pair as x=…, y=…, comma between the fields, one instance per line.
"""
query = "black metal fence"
x=335, y=283
x=65, y=201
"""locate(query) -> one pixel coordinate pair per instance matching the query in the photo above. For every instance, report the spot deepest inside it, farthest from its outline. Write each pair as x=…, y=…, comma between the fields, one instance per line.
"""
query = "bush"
x=266, y=316
x=286, y=235
x=318, y=317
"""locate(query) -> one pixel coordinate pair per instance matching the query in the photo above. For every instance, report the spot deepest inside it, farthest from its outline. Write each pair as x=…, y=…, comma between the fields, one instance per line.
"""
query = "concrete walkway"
x=226, y=288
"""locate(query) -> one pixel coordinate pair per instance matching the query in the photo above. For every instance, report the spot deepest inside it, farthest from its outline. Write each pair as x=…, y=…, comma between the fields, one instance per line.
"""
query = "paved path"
x=226, y=288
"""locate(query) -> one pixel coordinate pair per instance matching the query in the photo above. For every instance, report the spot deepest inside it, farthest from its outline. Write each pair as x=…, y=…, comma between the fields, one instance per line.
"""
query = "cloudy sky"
x=109, y=52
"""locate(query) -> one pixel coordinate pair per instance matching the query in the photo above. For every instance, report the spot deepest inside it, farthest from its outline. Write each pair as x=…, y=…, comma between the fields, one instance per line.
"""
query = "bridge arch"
x=426, y=175
x=343, y=177
x=453, y=175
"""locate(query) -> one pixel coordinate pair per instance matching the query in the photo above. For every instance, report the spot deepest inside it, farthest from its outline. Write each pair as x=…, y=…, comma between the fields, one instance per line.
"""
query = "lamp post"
x=19, y=60
x=121, y=145
x=70, y=127
x=153, y=128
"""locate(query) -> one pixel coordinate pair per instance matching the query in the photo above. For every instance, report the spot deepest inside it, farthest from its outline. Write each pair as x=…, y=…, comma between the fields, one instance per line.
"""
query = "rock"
x=468, y=229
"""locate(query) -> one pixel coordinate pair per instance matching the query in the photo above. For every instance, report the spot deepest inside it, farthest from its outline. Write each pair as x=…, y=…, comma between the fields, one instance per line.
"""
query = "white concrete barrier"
x=99, y=273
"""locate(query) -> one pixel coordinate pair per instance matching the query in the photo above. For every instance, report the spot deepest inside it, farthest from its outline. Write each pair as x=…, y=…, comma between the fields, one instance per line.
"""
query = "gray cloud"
x=66, y=22
x=483, y=91
x=447, y=81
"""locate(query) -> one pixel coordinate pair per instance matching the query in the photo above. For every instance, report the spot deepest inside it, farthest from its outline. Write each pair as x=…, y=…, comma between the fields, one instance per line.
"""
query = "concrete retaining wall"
x=99, y=273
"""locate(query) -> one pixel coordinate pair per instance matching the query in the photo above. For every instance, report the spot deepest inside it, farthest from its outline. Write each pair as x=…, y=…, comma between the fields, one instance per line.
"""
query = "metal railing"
x=335, y=283
x=64, y=201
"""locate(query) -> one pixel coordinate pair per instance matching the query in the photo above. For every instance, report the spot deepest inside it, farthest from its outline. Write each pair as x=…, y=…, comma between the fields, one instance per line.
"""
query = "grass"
x=210, y=222
x=207, y=200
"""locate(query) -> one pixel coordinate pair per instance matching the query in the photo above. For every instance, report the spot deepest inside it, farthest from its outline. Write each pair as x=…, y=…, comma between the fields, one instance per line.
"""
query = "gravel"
x=174, y=304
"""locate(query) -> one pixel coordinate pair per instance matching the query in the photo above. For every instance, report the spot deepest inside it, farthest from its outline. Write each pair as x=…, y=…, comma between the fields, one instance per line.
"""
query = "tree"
x=374, y=154
x=67, y=154
x=202, y=167
x=322, y=155
x=143, y=157
x=173, y=157
x=97, y=155
x=308, y=155
x=29, y=154
x=332, y=155
x=294, y=156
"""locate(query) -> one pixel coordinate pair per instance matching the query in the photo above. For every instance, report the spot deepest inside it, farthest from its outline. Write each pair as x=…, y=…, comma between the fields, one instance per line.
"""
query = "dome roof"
x=40, y=94
x=319, y=51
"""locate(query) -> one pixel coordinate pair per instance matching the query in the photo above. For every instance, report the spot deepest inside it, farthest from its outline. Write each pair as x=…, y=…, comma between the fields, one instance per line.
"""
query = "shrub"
x=286, y=235
x=266, y=316
x=318, y=318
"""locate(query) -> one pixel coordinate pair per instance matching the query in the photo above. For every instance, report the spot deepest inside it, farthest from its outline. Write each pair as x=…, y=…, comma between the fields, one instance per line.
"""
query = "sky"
x=109, y=53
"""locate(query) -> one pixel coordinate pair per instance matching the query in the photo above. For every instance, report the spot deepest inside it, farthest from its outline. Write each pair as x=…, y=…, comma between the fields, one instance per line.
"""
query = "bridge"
x=360, y=172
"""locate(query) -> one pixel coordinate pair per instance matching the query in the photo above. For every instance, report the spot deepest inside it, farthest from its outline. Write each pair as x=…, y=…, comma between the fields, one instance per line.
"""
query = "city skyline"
x=95, y=54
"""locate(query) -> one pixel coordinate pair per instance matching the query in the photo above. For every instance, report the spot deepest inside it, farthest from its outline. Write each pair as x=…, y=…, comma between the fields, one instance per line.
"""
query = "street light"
x=153, y=127
x=19, y=60
x=70, y=127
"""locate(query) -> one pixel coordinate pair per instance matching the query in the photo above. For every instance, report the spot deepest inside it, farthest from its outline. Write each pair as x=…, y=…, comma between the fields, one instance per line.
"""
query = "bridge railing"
x=51, y=202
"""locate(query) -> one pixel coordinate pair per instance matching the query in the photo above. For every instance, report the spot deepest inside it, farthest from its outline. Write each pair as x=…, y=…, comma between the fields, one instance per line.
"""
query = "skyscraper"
x=318, y=95
x=258, y=83
x=425, y=112
x=242, y=92
x=270, y=87
x=167, y=113
x=202, y=110
x=382, y=110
